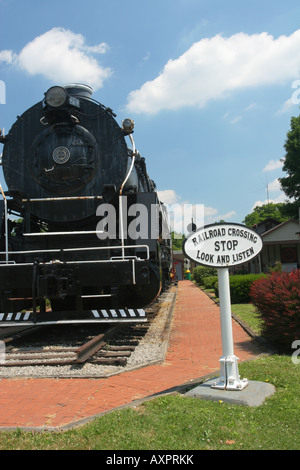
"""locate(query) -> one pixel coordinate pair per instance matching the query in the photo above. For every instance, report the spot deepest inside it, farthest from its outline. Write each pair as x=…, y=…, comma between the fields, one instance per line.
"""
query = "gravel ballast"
x=150, y=350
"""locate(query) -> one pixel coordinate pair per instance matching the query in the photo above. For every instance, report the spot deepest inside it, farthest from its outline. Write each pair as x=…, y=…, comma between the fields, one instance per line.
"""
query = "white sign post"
x=222, y=246
x=229, y=374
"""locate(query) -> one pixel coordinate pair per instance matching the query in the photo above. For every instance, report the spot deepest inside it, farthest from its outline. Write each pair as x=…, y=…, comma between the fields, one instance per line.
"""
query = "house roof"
x=286, y=232
x=269, y=219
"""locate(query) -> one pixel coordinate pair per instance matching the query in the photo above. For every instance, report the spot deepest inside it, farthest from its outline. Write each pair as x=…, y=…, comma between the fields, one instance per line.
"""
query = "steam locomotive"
x=83, y=234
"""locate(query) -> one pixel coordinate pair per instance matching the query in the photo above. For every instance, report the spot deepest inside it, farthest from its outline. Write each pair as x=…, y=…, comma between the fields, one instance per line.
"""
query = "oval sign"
x=222, y=245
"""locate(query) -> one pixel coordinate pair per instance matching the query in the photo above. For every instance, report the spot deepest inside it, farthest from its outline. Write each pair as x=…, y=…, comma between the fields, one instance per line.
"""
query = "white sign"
x=222, y=245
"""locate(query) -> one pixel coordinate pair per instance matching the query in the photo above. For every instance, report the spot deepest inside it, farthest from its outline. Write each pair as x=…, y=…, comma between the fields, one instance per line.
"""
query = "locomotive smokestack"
x=78, y=89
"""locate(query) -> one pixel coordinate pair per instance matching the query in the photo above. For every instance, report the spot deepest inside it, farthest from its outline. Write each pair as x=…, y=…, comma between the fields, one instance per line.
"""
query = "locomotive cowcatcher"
x=83, y=234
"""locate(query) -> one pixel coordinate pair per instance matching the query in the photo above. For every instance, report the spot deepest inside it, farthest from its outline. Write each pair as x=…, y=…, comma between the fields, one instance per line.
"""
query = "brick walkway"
x=194, y=351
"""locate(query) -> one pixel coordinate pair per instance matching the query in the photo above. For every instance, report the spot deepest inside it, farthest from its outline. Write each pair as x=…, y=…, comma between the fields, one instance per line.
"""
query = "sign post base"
x=229, y=373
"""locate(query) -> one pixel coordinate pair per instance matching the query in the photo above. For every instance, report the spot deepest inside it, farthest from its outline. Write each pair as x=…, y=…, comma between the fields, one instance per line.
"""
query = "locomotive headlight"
x=56, y=96
x=128, y=125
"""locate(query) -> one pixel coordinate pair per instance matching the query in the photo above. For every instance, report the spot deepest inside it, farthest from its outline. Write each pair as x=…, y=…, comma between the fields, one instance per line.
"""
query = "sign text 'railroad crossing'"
x=222, y=245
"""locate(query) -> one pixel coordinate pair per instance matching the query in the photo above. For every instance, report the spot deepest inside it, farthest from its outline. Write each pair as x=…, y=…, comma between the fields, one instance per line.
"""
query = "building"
x=181, y=264
x=281, y=243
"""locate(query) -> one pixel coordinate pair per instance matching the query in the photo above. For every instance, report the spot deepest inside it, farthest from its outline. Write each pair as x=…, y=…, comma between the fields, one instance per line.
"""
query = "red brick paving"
x=194, y=351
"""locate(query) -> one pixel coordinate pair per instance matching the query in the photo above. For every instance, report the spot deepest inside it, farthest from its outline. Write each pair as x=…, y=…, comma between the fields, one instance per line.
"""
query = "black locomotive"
x=83, y=233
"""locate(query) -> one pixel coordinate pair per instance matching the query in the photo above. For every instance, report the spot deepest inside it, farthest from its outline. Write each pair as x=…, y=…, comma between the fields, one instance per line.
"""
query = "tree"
x=291, y=163
x=267, y=211
x=177, y=240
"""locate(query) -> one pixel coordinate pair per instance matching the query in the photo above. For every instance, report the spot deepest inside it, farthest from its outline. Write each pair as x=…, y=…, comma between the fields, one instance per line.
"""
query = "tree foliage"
x=291, y=162
x=273, y=211
x=177, y=240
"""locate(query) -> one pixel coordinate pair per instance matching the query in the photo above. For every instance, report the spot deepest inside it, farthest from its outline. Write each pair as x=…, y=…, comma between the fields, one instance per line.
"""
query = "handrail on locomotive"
x=123, y=248
x=5, y=224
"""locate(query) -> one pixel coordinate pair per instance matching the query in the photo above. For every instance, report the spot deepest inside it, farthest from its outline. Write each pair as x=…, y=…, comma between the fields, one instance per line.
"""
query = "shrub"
x=209, y=282
x=277, y=298
x=200, y=272
x=240, y=287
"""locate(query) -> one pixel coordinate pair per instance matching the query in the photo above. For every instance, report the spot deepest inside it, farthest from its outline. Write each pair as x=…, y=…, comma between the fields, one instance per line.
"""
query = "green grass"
x=247, y=313
x=176, y=422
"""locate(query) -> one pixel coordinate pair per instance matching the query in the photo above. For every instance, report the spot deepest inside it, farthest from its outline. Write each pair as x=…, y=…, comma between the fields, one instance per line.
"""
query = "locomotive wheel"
x=141, y=296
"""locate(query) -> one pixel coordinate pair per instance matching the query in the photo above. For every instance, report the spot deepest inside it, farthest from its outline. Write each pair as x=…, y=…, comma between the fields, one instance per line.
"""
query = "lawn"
x=247, y=313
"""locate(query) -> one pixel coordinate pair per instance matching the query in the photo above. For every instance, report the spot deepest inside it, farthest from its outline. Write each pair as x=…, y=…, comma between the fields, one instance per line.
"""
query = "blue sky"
x=211, y=85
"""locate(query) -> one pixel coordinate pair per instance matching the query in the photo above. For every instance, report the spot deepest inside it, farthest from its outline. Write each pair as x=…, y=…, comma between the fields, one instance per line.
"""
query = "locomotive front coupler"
x=46, y=286
x=54, y=281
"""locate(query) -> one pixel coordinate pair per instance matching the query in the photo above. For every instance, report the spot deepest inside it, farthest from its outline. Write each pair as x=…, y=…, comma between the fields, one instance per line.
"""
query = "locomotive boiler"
x=84, y=236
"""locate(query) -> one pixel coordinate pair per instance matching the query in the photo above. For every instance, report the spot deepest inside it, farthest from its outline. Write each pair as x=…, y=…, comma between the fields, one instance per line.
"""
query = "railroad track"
x=111, y=346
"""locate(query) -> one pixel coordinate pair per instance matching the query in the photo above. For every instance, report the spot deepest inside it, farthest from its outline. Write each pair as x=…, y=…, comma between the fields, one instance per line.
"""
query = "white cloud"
x=210, y=211
x=168, y=196
x=99, y=49
x=6, y=56
x=182, y=213
x=274, y=186
x=61, y=56
x=276, y=200
x=236, y=119
x=214, y=67
x=227, y=216
x=275, y=189
x=286, y=107
x=146, y=57
x=293, y=100
x=212, y=218
x=251, y=106
x=273, y=165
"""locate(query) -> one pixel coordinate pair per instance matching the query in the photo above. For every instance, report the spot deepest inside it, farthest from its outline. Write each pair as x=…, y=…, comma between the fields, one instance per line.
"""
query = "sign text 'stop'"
x=222, y=245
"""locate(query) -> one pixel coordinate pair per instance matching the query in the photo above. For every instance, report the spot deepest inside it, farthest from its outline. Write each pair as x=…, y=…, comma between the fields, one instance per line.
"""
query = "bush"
x=240, y=287
x=209, y=282
x=277, y=298
x=200, y=272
